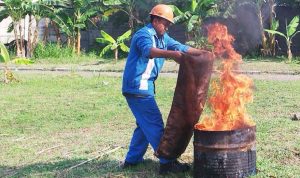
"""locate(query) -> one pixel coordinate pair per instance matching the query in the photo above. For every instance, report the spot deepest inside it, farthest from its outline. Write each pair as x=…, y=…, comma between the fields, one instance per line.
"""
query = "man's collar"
x=151, y=29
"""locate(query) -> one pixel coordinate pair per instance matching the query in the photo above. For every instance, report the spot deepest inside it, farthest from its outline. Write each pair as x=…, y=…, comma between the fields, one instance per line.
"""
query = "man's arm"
x=176, y=55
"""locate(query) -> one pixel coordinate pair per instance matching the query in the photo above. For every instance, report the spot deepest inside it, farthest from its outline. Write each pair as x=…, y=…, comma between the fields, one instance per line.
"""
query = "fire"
x=231, y=91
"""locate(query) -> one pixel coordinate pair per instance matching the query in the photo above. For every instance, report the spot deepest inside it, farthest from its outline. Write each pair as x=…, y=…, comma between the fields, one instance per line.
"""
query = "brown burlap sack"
x=188, y=102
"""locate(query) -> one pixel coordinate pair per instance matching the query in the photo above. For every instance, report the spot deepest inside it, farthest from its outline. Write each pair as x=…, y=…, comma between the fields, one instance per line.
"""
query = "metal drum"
x=227, y=154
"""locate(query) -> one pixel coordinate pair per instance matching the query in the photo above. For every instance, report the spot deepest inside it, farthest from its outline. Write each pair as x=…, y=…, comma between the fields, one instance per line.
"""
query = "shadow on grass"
x=104, y=167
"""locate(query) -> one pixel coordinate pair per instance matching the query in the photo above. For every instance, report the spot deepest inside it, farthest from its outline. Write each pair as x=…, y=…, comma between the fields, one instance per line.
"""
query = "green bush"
x=51, y=50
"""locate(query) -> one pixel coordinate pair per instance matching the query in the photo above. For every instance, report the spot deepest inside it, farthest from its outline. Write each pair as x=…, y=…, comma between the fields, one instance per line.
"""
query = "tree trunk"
x=272, y=37
x=289, y=51
x=28, y=51
x=188, y=36
x=74, y=44
x=21, y=40
x=46, y=31
x=78, y=41
x=264, y=49
x=131, y=21
x=116, y=54
x=36, y=33
x=273, y=45
x=17, y=39
x=69, y=42
x=57, y=33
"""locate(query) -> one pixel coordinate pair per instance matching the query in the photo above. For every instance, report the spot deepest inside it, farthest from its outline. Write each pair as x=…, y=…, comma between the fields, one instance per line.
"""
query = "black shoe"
x=173, y=167
x=126, y=165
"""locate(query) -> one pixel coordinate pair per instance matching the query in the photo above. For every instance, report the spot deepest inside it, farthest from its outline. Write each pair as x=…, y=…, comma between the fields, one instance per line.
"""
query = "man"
x=149, y=48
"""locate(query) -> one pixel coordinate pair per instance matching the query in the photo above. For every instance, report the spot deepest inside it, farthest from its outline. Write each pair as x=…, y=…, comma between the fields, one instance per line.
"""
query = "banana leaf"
x=107, y=37
x=105, y=49
x=125, y=36
x=4, y=54
x=124, y=47
x=292, y=27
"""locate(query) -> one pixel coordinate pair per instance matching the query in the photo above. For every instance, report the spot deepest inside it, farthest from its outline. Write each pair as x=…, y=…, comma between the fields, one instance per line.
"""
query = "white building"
x=7, y=37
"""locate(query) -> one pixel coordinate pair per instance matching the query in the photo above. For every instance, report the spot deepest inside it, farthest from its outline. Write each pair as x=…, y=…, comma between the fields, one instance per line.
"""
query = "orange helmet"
x=163, y=11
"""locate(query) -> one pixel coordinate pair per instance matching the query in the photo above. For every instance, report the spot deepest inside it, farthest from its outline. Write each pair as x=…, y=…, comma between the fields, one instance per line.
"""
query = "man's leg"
x=138, y=147
x=149, y=120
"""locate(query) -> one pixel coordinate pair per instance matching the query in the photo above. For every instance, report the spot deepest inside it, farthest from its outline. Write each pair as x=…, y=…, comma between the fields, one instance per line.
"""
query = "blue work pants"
x=149, y=127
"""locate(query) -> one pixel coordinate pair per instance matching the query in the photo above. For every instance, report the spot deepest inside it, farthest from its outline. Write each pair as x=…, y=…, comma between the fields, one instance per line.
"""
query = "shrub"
x=51, y=50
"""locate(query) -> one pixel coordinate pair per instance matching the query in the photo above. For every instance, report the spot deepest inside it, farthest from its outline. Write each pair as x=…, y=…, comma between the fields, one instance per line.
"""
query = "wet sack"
x=188, y=102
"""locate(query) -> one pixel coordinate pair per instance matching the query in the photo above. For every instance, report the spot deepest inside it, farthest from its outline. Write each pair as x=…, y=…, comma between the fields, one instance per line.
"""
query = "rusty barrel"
x=224, y=153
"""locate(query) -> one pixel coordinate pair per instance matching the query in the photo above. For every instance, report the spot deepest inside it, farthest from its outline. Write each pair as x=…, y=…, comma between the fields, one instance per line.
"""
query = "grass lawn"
x=50, y=123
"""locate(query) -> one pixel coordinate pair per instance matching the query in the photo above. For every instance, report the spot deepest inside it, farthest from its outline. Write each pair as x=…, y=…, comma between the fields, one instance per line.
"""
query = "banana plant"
x=291, y=32
x=113, y=44
x=129, y=7
x=5, y=58
x=36, y=10
x=267, y=45
x=74, y=16
x=191, y=16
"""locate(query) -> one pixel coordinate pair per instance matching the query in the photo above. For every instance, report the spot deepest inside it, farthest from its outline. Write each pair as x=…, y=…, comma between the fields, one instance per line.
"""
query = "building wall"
x=7, y=37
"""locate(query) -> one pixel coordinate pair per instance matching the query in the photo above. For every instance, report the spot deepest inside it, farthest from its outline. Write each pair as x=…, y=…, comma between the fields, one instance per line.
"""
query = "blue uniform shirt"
x=140, y=71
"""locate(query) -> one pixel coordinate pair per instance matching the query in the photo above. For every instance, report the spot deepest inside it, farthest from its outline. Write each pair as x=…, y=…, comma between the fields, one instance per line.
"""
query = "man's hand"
x=196, y=52
x=177, y=56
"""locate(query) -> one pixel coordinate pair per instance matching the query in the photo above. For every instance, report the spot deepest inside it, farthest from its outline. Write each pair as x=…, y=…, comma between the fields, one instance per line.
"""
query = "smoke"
x=245, y=20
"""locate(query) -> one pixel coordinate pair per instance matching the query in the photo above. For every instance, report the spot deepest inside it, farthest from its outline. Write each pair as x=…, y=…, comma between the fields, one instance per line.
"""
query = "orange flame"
x=231, y=92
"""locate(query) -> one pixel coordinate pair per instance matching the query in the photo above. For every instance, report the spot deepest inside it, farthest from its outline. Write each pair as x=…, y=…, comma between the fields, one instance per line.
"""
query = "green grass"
x=51, y=123
x=271, y=66
x=72, y=59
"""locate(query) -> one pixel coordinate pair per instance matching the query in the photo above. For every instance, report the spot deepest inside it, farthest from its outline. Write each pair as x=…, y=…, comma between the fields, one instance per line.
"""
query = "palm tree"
x=113, y=44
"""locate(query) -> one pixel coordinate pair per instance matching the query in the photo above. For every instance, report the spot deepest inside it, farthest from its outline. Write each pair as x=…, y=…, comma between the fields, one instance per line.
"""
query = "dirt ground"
x=65, y=71
x=265, y=71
